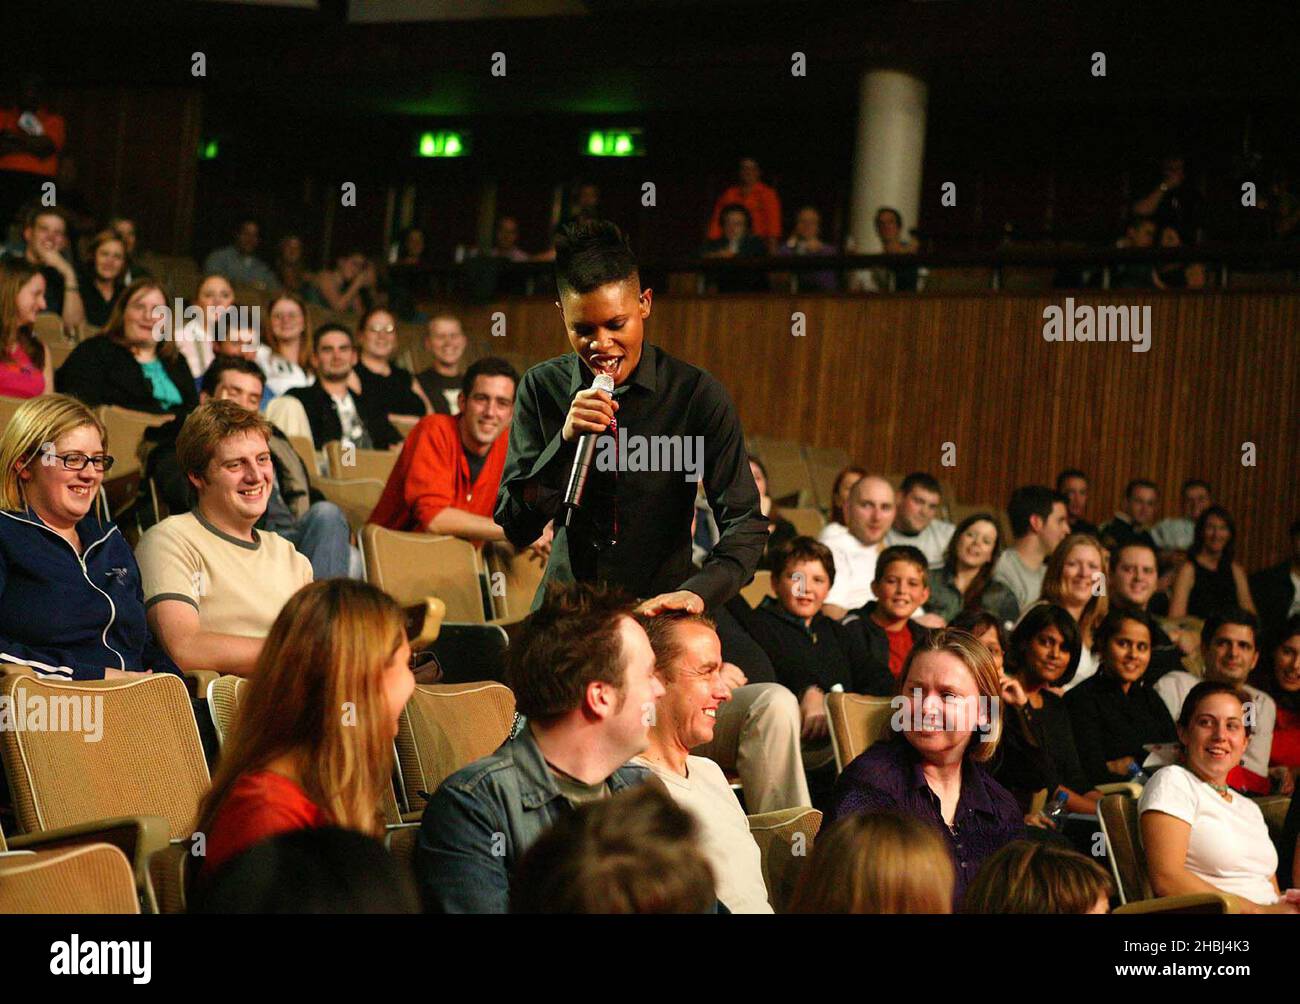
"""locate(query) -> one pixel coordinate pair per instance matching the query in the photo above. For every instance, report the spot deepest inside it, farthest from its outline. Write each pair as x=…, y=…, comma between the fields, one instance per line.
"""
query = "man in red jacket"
x=447, y=476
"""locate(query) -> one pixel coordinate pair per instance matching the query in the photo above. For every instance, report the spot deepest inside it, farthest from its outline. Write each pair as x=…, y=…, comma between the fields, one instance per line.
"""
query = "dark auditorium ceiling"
x=652, y=56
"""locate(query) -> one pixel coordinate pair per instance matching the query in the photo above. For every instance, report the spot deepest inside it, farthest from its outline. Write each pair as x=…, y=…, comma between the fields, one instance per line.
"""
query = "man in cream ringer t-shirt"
x=688, y=661
x=213, y=585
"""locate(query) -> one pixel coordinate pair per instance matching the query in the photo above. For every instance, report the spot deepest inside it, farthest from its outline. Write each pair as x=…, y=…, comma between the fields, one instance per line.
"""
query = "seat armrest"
x=138, y=837
x=1130, y=788
x=1197, y=902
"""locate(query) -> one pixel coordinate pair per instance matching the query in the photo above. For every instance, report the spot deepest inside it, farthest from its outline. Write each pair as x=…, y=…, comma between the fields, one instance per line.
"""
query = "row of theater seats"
x=106, y=826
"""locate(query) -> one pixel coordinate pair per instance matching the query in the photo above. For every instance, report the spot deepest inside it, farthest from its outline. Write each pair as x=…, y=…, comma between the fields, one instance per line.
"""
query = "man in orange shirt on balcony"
x=760, y=199
x=446, y=479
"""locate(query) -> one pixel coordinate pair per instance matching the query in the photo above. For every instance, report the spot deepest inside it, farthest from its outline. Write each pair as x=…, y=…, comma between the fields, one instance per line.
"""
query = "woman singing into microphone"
x=633, y=527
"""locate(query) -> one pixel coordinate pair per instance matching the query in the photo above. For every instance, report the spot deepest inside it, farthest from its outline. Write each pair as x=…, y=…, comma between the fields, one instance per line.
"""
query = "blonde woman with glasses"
x=71, y=605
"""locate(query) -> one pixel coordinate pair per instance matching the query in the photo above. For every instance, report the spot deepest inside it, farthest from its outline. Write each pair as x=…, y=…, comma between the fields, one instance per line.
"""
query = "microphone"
x=582, y=458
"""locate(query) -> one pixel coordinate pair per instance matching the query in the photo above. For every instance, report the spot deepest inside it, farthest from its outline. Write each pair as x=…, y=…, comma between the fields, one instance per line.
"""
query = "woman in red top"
x=1282, y=682
x=313, y=743
x=25, y=366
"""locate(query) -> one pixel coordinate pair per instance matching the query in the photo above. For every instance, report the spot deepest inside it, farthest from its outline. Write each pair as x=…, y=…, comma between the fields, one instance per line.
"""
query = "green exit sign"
x=443, y=143
x=208, y=150
x=614, y=143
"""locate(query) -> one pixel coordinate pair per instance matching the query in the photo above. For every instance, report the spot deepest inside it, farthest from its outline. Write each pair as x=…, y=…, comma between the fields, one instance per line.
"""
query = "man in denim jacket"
x=583, y=673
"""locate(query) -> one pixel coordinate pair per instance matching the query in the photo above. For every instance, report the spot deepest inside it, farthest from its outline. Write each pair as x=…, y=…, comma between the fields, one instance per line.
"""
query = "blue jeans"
x=322, y=536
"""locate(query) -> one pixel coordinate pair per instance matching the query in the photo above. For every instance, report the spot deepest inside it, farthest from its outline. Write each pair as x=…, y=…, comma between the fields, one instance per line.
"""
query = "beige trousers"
x=757, y=736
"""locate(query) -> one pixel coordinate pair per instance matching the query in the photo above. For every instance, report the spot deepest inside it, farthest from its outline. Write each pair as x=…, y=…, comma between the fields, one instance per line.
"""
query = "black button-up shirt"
x=889, y=776
x=1110, y=724
x=634, y=527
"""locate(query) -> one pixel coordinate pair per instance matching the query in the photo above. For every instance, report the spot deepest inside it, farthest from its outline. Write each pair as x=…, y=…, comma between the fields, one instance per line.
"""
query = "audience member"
x=844, y=482
x=779, y=529
x=388, y=385
x=1132, y=586
x=889, y=233
x=1134, y=521
x=238, y=262
x=1038, y=524
x=45, y=235
x=1174, y=534
x=127, y=228
x=1276, y=590
x=1211, y=579
x=312, y=744
x=811, y=653
x=688, y=660
x=805, y=239
x=291, y=271
x=1172, y=202
x=916, y=521
x=26, y=369
x=1072, y=485
x=126, y=365
x=1170, y=274
x=965, y=580
x=350, y=286
x=877, y=863
x=1281, y=682
x=410, y=250
x=1140, y=235
x=71, y=613
x=583, y=673
x=505, y=241
x=445, y=481
x=1076, y=582
x=333, y=409
x=197, y=340
x=1117, y=713
x=1044, y=656
x=284, y=351
x=442, y=381
x=857, y=543
x=102, y=280
x=1230, y=643
x=634, y=853
x=736, y=241
x=213, y=584
x=946, y=729
x=759, y=200
x=295, y=510
x=987, y=629
x=31, y=139
x=1197, y=833
x=319, y=870
x=1033, y=877
x=885, y=626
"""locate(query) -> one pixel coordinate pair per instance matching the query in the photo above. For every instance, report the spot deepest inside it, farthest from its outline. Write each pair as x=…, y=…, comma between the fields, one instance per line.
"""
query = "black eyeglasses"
x=78, y=461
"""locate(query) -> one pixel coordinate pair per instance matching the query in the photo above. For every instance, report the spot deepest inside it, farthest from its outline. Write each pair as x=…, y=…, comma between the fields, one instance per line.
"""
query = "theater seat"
x=1213, y=903
x=90, y=878
x=224, y=695
x=446, y=726
x=357, y=497
x=412, y=566
x=757, y=587
x=807, y=522
x=359, y=465
x=126, y=431
x=144, y=774
x=785, y=840
x=857, y=721
x=513, y=580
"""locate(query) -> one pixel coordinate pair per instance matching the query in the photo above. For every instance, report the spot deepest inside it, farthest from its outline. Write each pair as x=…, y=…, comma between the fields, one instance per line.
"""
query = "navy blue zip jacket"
x=71, y=616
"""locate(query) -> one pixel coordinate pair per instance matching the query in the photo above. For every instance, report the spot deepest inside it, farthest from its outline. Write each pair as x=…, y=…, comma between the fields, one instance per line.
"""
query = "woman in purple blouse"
x=947, y=722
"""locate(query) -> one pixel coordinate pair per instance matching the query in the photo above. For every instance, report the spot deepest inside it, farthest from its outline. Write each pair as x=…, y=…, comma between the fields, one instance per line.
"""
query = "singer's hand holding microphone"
x=592, y=411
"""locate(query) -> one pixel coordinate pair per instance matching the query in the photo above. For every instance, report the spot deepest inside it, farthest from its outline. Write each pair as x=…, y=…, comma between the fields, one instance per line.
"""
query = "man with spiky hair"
x=633, y=528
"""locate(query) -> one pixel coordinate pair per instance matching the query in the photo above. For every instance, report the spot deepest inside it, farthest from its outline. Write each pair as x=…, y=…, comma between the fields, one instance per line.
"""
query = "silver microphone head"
x=603, y=382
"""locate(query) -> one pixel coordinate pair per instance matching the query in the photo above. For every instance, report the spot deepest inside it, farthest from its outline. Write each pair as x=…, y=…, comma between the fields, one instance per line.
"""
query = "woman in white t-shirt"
x=284, y=347
x=215, y=296
x=1200, y=835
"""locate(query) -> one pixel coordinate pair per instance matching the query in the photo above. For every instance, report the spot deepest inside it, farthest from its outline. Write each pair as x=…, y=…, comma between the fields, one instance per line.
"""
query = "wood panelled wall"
x=893, y=378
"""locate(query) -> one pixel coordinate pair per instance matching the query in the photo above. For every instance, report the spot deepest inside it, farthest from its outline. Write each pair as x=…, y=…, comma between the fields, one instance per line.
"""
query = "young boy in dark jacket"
x=884, y=628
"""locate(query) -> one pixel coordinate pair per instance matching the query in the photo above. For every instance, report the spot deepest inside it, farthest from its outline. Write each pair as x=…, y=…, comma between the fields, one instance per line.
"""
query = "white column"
x=888, y=152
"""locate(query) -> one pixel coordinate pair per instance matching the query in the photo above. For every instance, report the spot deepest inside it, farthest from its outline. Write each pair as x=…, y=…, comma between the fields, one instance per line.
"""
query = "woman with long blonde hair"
x=313, y=743
x=1075, y=580
x=25, y=368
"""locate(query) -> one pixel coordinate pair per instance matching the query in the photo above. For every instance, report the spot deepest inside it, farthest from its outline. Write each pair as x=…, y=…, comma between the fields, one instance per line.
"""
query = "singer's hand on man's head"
x=683, y=599
x=592, y=411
